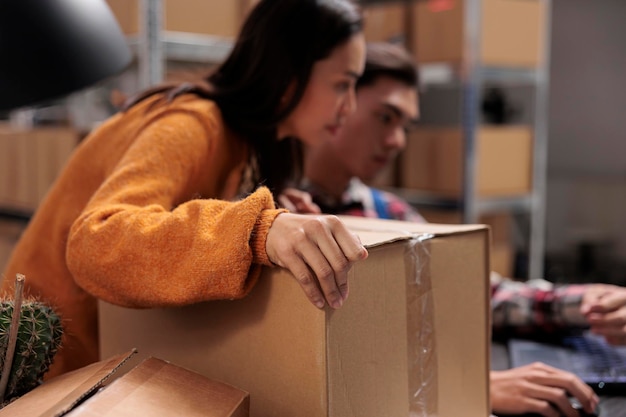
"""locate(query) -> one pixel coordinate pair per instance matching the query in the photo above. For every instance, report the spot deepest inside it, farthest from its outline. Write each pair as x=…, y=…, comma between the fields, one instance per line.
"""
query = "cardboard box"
x=385, y=22
x=502, y=252
x=30, y=161
x=433, y=161
x=154, y=388
x=10, y=232
x=412, y=338
x=500, y=223
x=503, y=259
x=126, y=13
x=512, y=32
x=208, y=17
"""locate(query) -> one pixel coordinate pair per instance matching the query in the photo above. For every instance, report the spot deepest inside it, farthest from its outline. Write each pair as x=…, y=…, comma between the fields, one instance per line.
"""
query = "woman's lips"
x=333, y=129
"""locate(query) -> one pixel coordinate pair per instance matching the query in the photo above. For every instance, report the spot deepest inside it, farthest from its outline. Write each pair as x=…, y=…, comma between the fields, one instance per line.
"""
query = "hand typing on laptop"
x=541, y=389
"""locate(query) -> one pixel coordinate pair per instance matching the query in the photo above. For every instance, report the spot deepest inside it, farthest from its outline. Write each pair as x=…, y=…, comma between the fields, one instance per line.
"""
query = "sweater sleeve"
x=146, y=239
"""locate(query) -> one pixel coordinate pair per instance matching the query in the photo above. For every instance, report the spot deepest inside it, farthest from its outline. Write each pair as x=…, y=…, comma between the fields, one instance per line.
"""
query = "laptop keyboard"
x=589, y=357
x=593, y=356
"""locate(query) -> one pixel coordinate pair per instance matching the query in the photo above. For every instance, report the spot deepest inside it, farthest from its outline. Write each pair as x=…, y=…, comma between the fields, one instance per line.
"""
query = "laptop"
x=590, y=357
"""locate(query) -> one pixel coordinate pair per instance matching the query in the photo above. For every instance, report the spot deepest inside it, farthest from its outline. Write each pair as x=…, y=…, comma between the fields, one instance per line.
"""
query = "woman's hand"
x=319, y=251
x=539, y=388
x=298, y=201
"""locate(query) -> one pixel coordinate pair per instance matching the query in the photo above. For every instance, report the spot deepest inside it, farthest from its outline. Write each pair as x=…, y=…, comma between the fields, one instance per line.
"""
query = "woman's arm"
x=153, y=236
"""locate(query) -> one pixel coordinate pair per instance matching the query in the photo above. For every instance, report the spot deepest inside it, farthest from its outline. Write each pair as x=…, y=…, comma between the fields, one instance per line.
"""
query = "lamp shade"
x=50, y=48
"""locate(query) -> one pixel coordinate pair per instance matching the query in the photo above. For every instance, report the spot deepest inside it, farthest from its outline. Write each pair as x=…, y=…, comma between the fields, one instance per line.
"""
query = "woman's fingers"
x=332, y=253
x=341, y=249
x=304, y=276
x=330, y=278
x=319, y=251
x=349, y=242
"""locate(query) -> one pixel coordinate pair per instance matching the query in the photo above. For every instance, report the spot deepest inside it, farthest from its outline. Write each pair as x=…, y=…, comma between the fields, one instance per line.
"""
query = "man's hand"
x=604, y=307
x=539, y=388
x=298, y=201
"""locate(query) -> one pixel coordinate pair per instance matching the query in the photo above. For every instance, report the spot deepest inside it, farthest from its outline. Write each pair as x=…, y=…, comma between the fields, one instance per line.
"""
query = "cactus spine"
x=36, y=341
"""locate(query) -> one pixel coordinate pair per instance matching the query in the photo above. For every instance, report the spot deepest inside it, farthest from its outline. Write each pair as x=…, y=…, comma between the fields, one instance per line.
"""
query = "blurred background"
x=522, y=127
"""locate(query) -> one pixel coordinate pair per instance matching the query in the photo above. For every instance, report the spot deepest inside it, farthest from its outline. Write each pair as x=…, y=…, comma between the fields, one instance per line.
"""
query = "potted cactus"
x=28, y=342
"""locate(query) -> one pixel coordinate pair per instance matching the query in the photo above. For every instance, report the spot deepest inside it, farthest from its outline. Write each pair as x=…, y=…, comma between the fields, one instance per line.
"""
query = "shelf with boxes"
x=191, y=31
x=502, y=43
x=455, y=160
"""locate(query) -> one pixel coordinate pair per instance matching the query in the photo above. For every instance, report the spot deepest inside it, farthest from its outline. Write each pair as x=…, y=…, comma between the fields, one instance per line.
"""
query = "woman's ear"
x=289, y=92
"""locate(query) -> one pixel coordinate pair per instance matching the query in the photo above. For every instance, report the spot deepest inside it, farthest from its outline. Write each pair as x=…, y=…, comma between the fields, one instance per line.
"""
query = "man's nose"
x=396, y=139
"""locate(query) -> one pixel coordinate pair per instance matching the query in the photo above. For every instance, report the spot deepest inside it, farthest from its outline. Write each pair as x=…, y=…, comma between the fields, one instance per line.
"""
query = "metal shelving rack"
x=154, y=46
x=470, y=78
x=473, y=78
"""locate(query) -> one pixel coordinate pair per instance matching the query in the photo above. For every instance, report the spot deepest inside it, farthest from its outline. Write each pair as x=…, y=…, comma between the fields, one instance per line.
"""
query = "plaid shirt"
x=532, y=308
x=535, y=308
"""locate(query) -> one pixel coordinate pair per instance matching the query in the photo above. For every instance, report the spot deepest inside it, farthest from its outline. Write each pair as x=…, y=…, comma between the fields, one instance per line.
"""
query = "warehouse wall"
x=587, y=129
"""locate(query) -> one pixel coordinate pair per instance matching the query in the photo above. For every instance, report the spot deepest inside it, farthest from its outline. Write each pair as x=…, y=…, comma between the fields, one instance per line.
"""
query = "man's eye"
x=385, y=118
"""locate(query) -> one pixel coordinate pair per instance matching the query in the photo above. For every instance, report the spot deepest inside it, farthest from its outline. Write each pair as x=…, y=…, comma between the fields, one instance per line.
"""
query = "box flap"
x=374, y=232
x=59, y=395
x=157, y=388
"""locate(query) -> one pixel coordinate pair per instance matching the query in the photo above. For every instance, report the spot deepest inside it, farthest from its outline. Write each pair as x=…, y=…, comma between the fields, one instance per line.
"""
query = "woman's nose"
x=349, y=104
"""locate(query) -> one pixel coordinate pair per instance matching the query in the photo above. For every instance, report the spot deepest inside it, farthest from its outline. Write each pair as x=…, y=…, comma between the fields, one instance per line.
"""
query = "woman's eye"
x=343, y=86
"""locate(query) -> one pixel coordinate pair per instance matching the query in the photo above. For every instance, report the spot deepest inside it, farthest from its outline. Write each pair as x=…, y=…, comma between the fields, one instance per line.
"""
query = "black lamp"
x=50, y=48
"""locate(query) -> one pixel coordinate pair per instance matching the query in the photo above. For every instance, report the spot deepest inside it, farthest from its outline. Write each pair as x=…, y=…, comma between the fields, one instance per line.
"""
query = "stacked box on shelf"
x=501, y=224
x=433, y=161
x=207, y=17
x=512, y=32
x=385, y=21
x=30, y=160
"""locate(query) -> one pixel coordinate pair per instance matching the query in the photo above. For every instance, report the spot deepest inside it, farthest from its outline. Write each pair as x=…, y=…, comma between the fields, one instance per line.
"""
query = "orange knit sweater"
x=145, y=214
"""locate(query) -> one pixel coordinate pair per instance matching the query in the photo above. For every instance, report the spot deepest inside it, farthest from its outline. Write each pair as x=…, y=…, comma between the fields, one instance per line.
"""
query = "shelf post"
x=471, y=86
x=540, y=157
x=151, y=56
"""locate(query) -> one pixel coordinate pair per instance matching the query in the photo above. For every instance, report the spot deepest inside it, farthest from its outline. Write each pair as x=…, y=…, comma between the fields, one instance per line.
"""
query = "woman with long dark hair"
x=171, y=201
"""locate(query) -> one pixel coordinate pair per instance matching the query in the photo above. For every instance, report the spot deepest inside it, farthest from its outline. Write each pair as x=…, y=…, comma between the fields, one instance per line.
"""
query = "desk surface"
x=609, y=406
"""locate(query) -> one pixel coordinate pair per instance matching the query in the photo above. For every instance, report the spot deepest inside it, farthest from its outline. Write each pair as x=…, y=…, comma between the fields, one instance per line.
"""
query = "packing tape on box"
x=420, y=317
